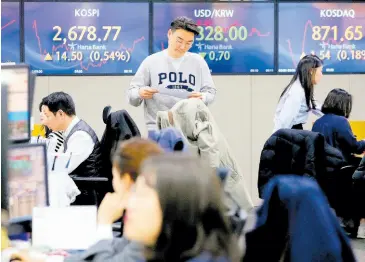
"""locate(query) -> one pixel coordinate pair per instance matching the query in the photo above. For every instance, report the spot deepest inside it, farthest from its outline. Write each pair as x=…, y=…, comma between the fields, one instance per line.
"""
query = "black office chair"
x=92, y=190
x=359, y=174
x=358, y=198
x=119, y=126
x=306, y=153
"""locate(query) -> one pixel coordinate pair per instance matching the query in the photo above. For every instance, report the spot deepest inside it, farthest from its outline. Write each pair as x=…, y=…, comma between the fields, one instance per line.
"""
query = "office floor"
x=359, y=249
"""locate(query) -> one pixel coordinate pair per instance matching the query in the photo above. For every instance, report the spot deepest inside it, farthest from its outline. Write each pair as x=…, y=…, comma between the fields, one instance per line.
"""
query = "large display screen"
x=333, y=31
x=85, y=38
x=234, y=38
x=10, y=32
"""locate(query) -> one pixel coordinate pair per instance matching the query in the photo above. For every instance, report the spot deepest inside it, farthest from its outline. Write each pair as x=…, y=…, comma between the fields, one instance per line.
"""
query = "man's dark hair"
x=59, y=101
x=42, y=103
x=46, y=129
x=338, y=102
x=184, y=23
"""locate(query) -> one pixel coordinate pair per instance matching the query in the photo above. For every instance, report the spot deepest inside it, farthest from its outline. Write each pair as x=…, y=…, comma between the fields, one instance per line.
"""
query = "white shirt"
x=176, y=62
x=54, y=142
x=80, y=144
x=104, y=231
x=292, y=108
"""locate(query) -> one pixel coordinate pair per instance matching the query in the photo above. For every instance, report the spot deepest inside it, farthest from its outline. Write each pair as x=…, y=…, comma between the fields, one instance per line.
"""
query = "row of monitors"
x=24, y=176
x=108, y=38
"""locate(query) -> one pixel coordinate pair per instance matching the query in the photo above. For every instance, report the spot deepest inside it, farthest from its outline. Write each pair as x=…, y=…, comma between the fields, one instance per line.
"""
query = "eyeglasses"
x=184, y=44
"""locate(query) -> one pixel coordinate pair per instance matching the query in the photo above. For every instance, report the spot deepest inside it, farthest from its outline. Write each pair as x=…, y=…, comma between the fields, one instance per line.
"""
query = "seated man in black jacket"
x=79, y=138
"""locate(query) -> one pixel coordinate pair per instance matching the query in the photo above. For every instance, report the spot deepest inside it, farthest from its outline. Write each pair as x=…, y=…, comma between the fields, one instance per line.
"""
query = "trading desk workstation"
x=30, y=187
x=24, y=165
x=251, y=42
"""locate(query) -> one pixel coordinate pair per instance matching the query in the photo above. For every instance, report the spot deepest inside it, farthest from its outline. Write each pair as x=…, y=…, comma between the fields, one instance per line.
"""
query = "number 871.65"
x=324, y=33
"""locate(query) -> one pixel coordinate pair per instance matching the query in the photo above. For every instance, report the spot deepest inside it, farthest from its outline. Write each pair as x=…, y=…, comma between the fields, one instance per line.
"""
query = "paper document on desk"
x=68, y=228
x=180, y=93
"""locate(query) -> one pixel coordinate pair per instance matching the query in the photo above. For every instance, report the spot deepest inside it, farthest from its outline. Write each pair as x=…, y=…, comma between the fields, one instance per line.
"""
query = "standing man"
x=168, y=76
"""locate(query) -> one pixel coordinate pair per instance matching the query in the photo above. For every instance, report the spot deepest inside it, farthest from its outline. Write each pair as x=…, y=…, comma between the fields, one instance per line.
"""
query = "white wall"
x=244, y=107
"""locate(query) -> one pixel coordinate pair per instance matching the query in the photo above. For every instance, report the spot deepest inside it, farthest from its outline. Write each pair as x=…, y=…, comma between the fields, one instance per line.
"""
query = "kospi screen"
x=10, y=32
x=333, y=31
x=85, y=38
x=235, y=38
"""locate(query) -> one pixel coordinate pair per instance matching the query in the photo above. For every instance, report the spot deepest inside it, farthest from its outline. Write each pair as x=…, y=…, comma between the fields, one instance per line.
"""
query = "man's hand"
x=147, y=92
x=111, y=208
x=196, y=95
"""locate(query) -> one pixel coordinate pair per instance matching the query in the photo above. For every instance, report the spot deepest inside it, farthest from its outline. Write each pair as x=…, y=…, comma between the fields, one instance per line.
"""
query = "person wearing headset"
x=297, y=99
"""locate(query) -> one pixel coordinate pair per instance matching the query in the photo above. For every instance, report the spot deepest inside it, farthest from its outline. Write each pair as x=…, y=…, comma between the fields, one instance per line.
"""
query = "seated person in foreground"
x=335, y=127
x=179, y=216
x=127, y=161
x=175, y=216
x=80, y=139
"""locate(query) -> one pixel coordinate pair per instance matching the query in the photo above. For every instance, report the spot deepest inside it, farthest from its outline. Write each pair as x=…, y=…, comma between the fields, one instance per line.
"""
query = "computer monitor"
x=27, y=180
x=32, y=80
x=4, y=147
x=17, y=78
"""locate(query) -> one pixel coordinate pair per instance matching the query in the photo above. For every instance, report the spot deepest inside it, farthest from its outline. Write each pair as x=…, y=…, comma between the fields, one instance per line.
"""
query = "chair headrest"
x=106, y=113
